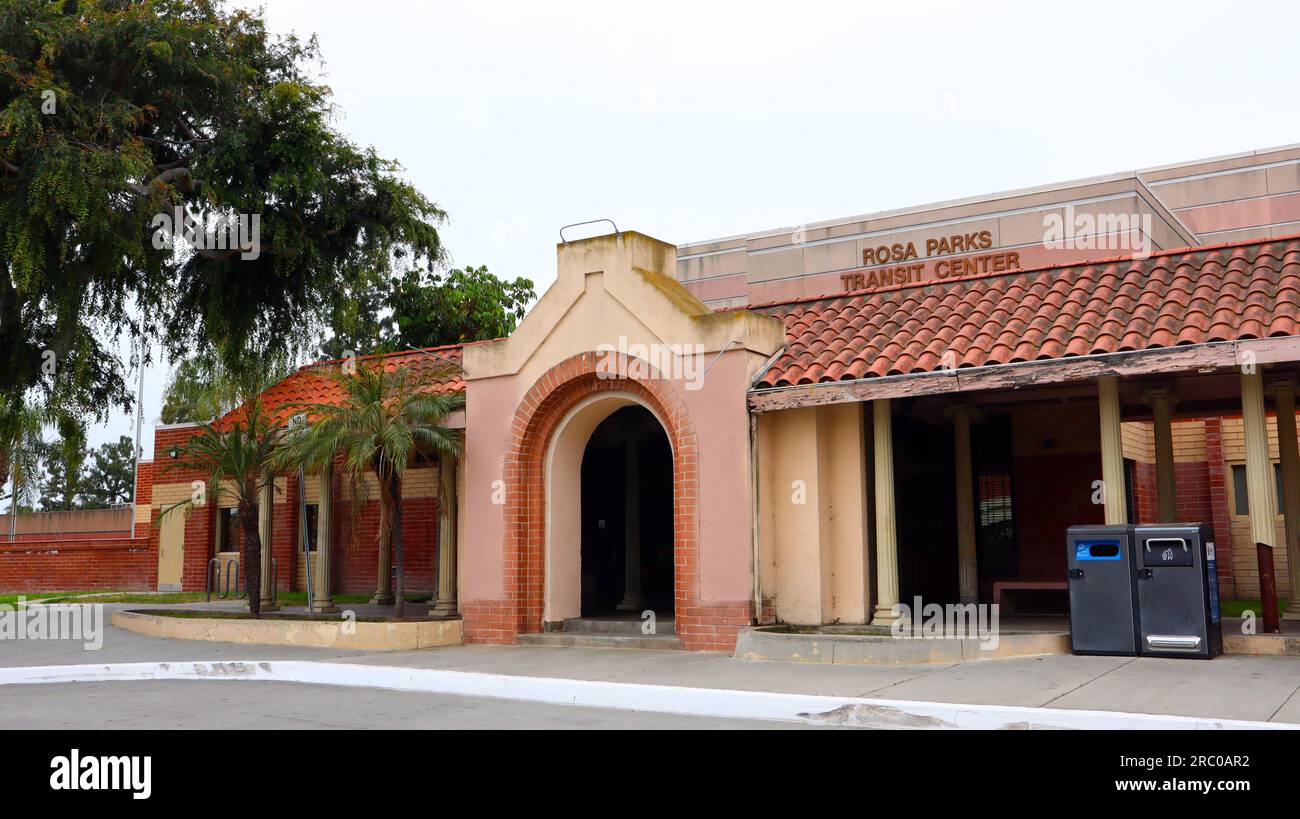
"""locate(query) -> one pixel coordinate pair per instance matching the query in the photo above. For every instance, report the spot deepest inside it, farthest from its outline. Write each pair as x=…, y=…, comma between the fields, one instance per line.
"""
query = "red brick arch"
x=534, y=425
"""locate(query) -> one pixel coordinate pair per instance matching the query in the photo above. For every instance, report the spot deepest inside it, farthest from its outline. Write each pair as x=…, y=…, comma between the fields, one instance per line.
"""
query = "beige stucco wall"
x=618, y=291
x=813, y=521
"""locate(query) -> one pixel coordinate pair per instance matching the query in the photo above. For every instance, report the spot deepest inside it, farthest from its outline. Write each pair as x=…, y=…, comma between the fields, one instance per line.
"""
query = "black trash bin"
x=1103, y=605
x=1177, y=591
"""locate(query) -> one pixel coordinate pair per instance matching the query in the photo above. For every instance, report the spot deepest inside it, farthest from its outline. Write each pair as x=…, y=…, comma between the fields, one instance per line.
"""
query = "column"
x=1284, y=398
x=446, y=605
x=1112, y=451
x=322, y=587
x=265, y=518
x=886, y=531
x=967, y=567
x=1259, y=466
x=1162, y=406
x=631, y=527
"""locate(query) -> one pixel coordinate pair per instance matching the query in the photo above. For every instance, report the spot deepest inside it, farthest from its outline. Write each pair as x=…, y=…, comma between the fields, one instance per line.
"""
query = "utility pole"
x=139, y=425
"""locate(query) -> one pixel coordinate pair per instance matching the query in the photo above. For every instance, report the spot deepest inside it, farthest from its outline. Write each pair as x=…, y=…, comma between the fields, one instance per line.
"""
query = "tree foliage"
x=429, y=309
x=115, y=112
x=21, y=443
x=432, y=309
x=202, y=388
x=109, y=475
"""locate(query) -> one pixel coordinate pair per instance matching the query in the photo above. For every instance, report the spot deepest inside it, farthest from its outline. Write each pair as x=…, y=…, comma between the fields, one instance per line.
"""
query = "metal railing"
x=241, y=591
x=224, y=587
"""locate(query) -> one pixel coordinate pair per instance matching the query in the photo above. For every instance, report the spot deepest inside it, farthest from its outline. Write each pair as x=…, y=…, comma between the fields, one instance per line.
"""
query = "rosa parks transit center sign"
x=946, y=257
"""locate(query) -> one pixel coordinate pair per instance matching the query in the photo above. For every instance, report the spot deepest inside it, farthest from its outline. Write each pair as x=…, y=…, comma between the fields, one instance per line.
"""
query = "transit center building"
x=814, y=424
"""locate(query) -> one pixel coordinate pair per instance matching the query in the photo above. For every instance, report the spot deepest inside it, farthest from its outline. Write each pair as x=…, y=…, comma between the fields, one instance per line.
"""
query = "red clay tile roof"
x=1190, y=296
x=312, y=384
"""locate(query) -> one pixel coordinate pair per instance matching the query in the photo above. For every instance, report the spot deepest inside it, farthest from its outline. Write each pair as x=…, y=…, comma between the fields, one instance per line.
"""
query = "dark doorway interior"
x=996, y=538
x=925, y=500
x=629, y=434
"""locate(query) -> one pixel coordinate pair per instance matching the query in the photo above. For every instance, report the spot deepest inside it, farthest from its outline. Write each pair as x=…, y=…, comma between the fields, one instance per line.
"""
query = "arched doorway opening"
x=627, y=517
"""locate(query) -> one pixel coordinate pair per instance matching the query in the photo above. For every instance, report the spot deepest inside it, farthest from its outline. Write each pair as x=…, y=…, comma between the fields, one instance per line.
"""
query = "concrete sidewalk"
x=1229, y=687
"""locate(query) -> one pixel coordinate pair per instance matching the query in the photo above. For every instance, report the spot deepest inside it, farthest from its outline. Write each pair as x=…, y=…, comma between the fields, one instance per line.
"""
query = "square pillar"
x=813, y=507
x=1112, y=451
x=886, y=521
x=1284, y=401
x=1162, y=403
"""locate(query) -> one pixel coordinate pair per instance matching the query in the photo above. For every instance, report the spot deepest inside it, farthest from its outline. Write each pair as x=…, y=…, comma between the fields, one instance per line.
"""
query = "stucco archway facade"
x=588, y=347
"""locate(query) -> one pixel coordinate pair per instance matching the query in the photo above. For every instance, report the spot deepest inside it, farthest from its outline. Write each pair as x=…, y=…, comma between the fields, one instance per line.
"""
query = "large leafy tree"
x=109, y=475
x=115, y=112
x=429, y=309
x=383, y=419
x=62, y=478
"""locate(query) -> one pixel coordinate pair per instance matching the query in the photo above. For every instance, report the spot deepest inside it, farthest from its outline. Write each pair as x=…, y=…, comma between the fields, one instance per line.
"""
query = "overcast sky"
x=702, y=119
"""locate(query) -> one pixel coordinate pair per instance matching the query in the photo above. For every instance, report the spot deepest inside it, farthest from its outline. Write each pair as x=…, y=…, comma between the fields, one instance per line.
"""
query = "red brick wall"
x=1217, y=480
x=126, y=563
x=1052, y=493
x=355, y=564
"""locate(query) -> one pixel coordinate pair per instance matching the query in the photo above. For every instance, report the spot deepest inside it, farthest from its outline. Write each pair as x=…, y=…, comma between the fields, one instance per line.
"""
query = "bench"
x=1024, y=585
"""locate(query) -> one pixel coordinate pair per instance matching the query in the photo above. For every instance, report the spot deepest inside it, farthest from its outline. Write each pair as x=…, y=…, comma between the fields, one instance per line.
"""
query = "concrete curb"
x=321, y=633
x=664, y=699
x=861, y=649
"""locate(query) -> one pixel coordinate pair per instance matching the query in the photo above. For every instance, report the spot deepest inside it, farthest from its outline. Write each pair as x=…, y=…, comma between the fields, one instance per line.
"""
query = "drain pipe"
x=753, y=516
x=753, y=488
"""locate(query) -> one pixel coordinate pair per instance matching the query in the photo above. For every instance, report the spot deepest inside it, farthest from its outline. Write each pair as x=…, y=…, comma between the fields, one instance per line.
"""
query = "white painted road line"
x=663, y=699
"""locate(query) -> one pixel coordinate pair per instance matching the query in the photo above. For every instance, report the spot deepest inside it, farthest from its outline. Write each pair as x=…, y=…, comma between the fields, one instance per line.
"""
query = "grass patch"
x=1236, y=608
x=12, y=599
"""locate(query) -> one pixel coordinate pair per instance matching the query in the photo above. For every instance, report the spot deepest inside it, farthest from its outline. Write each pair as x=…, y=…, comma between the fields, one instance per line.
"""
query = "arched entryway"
x=627, y=517
x=543, y=492
x=609, y=512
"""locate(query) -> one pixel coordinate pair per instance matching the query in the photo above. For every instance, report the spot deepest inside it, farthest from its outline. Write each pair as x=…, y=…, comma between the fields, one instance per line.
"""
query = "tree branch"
x=180, y=175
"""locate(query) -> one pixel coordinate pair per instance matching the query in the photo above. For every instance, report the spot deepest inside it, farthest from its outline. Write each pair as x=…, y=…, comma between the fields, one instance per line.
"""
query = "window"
x=1240, y=494
x=228, y=530
x=313, y=521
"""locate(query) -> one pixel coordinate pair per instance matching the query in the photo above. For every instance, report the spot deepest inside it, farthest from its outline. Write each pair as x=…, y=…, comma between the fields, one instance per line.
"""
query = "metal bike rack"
x=224, y=585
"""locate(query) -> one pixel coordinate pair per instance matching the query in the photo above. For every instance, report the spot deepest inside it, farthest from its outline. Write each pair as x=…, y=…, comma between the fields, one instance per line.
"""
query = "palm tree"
x=21, y=442
x=237, y=450
x=383, y=418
